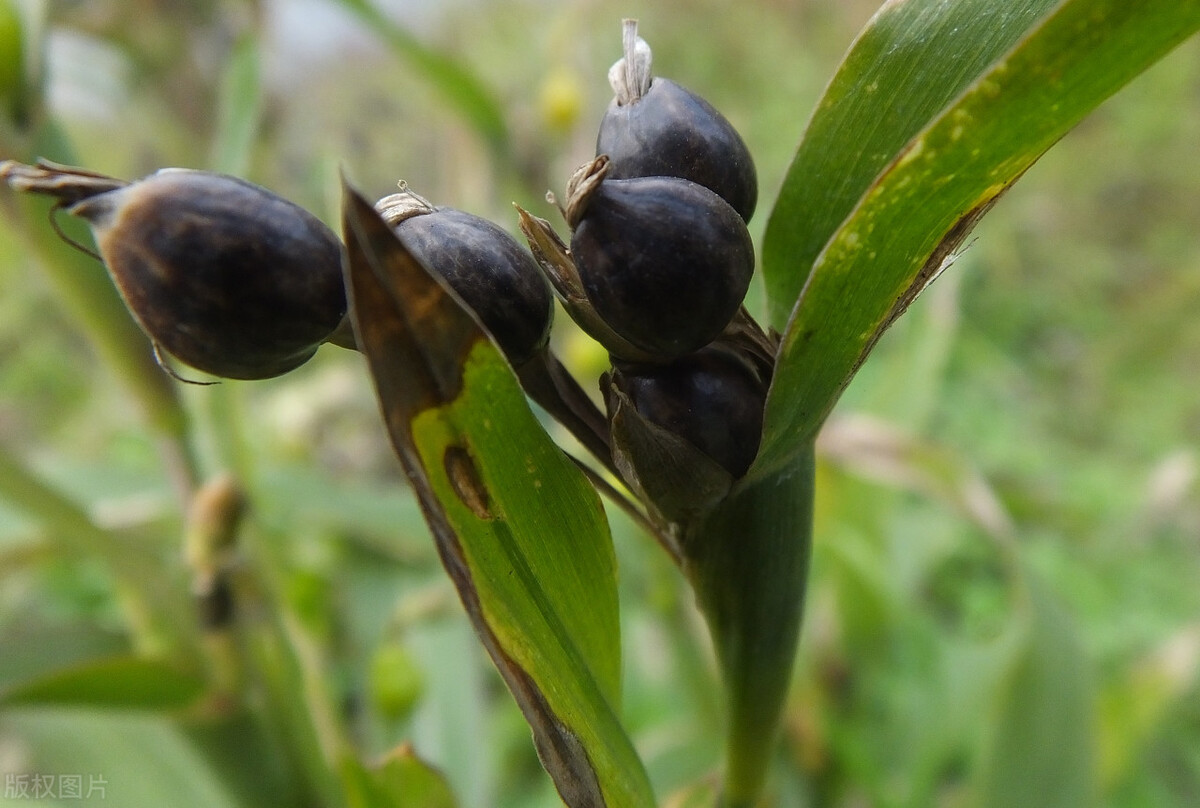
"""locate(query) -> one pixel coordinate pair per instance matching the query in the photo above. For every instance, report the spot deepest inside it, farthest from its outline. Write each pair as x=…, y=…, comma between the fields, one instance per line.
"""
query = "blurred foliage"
x=1033, y=418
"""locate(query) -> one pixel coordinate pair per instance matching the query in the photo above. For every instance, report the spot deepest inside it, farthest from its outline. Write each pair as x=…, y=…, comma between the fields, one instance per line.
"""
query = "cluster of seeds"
x=231, y=279
x=659, y=241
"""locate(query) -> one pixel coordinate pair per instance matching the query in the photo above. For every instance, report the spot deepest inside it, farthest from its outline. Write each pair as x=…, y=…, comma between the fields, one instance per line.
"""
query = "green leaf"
x=402, y=781
x=114, y=758
x=254, y=764
x=1041, y=753
x=942, y=139
x=461, y=88
x=12, y=61
x=924, y=52
x=120, y=683
x=521, y=533
x=47, y=644
x=748, y=563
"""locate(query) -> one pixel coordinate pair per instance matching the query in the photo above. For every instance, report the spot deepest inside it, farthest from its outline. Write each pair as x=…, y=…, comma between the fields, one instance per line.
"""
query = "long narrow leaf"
x=520, y=531
x=906, y=66
x=918, y=210
x=126, y=683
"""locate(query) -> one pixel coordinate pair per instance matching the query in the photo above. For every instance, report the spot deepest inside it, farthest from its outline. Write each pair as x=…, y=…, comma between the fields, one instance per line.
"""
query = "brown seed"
x=221, y=273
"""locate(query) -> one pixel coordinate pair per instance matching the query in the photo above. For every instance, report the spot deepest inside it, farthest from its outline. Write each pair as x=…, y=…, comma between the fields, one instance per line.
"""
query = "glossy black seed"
x=490, y=271
x=711, y=398
x=220, y=273
x=664, y=261
x=672, y=132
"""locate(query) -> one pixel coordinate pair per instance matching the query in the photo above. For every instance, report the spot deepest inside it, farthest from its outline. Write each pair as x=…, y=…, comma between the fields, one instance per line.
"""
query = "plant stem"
x=748, y=562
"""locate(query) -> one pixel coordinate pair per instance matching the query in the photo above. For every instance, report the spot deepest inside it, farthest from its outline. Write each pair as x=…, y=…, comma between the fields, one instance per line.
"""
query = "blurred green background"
x=1035, y=416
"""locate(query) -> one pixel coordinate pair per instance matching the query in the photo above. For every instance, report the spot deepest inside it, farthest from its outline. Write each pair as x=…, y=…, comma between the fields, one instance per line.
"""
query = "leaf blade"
x=500, y=499
x=123, y=683
x=925, y=201
x=402, y=780
x=907, y=50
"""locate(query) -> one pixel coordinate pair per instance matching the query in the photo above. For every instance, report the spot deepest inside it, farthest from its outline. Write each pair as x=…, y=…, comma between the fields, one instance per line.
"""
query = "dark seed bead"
x=665, y=262
x=672, y=132
x=490, y=271
x=220, y=273
x=711, y=398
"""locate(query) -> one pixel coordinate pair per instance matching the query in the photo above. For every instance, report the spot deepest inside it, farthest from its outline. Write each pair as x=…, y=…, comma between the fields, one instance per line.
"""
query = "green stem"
x=288, y=669
x=748, y=562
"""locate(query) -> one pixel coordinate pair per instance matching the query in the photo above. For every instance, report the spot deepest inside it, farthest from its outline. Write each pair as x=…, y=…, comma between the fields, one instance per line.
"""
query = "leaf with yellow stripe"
x=937, y=109
x=518, y=528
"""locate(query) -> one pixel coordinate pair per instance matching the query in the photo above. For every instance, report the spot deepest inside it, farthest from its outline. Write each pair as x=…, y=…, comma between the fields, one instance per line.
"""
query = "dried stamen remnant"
x=655, y=128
